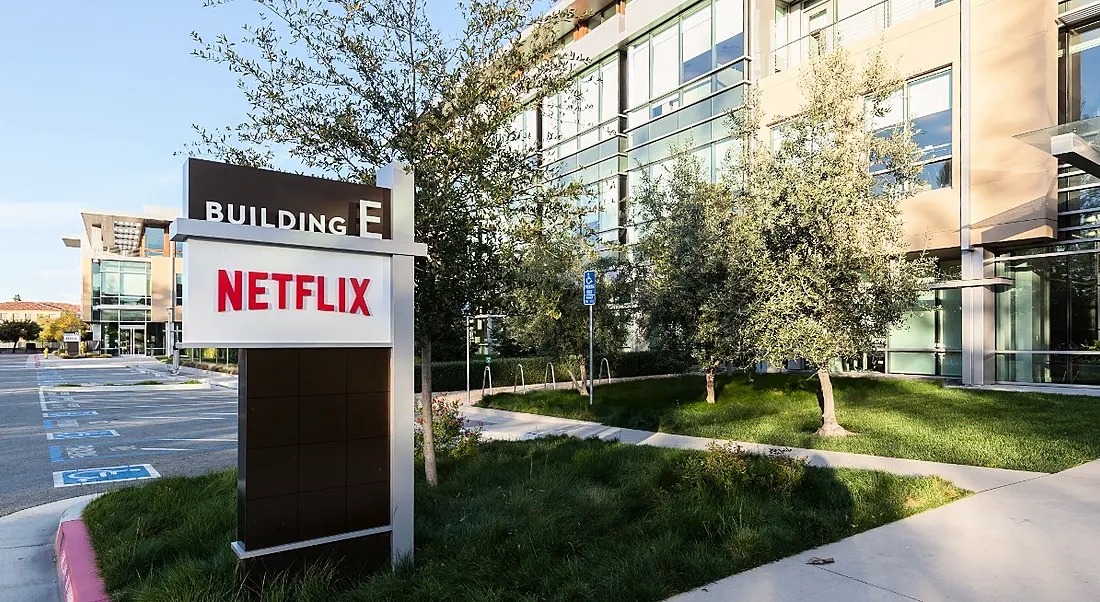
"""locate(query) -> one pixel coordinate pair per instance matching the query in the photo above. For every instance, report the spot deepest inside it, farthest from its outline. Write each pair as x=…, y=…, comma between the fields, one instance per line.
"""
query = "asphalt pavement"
x=59, y=442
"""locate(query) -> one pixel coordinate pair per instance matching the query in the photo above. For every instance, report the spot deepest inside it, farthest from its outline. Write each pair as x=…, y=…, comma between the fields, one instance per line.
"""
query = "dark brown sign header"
x=234, y=194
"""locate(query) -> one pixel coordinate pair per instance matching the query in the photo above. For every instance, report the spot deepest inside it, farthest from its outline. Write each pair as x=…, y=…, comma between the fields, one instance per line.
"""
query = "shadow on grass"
x=551, y=519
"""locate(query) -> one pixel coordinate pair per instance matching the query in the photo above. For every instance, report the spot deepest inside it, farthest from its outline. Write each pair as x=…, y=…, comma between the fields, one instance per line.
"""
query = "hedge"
x=451, y=376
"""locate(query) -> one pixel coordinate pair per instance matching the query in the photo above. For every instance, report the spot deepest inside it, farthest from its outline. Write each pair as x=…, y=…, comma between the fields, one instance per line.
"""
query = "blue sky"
x=95, y=97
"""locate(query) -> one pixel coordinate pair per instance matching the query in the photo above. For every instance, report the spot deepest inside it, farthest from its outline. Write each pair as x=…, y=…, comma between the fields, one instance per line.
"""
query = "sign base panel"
x=313, y=458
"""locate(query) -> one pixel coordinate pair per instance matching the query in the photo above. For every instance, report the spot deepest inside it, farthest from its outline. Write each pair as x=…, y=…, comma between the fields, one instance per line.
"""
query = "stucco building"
x=131, y=280
x=989, y=82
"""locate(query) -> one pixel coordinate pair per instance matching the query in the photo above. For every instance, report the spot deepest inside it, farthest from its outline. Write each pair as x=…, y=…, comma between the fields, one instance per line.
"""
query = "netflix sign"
x=241, y=295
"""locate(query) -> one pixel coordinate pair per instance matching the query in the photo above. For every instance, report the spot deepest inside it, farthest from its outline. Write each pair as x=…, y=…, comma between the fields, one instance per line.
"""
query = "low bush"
x=727, y=468
x=452, y=438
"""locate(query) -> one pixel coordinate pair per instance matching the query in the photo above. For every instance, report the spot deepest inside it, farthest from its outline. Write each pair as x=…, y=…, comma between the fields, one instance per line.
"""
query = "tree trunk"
x=710, y=384
x=578, y=384
x=427, y=424
x=829, y=426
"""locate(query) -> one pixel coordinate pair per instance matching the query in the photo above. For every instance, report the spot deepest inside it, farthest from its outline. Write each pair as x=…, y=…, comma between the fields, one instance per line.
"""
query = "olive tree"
x=687, y=294
x=818, y=233
x=347, y=87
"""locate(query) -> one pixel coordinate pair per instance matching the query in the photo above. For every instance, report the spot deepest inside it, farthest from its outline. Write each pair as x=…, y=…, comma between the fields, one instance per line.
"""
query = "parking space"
x=57, y=441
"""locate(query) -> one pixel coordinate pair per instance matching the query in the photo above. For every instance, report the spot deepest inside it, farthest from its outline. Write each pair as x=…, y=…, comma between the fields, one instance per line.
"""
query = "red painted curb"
x=76, y=570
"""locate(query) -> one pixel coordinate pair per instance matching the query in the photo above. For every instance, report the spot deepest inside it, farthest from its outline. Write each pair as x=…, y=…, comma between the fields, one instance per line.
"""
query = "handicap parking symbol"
x=110, y=474
x=81, y=435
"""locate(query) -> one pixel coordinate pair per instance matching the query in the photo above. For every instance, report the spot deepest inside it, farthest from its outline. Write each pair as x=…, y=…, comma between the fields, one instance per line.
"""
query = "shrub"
x=728, y=467
x=452, y=438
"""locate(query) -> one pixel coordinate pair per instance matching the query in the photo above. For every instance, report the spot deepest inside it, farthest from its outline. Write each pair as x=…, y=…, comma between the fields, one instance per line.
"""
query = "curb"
x=76, y=569
x=110, y=388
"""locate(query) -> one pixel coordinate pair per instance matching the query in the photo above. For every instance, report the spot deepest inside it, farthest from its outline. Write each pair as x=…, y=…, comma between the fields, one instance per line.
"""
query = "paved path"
x=500, y=424
x=1034, y=540
x=27, y=568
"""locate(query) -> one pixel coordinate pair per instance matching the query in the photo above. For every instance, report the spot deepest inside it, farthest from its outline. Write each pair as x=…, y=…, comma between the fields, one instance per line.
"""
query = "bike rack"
x=487, y=374
x=520, y=378
x=604, y=362
x=549, y=371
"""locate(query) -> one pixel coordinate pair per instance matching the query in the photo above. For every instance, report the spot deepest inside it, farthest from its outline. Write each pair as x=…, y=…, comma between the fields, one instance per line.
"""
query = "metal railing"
x=521, y=379
x=866, y=22
x=549, y=371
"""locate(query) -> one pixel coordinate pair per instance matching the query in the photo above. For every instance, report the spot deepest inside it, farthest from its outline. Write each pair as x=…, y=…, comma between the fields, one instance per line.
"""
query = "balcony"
x=827, y=37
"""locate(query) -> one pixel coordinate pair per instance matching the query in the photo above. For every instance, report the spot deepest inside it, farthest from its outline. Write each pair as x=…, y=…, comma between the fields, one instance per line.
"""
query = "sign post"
x=590, y=301
x=312, y=280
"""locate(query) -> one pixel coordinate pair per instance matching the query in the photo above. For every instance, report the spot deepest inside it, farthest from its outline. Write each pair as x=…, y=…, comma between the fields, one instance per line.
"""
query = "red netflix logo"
x=239, y=290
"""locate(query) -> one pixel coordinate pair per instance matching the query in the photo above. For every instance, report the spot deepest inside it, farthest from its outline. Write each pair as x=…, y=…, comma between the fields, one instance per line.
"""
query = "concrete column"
x=978, y=322
x=403, y=210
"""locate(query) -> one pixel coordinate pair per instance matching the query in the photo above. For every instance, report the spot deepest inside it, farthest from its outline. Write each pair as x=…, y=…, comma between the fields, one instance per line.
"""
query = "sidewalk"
x=1035, y=540
x=500, y=424
x=28, y=572
x=1023, y=536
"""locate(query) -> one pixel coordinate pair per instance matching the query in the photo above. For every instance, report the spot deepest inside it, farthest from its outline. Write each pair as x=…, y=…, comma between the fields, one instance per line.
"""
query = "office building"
x=13, y=311
x=131, y=280
x=990, y=84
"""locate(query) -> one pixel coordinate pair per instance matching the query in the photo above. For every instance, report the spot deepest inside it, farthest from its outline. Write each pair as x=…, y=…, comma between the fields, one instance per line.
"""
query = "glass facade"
x=121, y=297
x=1050, y=307
x=930, y=341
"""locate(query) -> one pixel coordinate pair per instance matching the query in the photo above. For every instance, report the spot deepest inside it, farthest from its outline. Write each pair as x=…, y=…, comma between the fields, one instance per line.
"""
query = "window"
x=1081, y=68
x=729, y=30
x=925, y=103
x=665, y=61
x=179, y=289
x=154, y=242
x=697, y=45
x=121, y=283
x=580, y=116
x=688, y=47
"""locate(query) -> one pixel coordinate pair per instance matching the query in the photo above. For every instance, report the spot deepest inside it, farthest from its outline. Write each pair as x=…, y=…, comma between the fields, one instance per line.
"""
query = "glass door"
x=131, y=340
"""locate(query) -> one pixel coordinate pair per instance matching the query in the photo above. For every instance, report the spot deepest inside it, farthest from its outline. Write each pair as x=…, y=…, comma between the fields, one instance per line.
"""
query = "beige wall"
x=1014, y=59
x=1013, y=85
x=164, y=287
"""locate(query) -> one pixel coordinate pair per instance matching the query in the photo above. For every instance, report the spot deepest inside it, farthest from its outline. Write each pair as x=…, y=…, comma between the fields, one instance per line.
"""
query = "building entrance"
x=131, y=339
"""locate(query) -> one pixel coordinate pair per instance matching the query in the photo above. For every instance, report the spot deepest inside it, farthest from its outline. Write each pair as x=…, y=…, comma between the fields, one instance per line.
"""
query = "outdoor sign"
x=589, y=287
x=312, y=280
x=270, y=199
x=71, y=337
x=245, y=295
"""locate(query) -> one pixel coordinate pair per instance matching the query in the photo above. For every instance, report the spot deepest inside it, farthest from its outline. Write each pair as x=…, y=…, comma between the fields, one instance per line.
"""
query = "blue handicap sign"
x=590, y=287
x=81, y=435
x=110, y=474
x=70, y=414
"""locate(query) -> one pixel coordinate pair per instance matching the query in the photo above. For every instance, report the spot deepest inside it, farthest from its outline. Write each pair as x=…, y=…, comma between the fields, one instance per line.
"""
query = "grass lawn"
x=891, y=417
x=551, y=519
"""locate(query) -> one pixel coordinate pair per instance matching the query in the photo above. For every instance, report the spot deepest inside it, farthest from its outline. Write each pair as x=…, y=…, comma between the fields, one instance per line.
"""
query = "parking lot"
x=59, y=441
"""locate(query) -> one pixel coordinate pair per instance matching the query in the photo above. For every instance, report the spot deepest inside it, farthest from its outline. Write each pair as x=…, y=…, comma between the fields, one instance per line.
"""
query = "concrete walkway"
x=28, y=572
x=500, y=424
x=1035, y=540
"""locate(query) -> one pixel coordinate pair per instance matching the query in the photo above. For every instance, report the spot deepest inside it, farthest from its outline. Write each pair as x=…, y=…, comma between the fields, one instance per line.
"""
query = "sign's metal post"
x=467, y=354
x=590, y=301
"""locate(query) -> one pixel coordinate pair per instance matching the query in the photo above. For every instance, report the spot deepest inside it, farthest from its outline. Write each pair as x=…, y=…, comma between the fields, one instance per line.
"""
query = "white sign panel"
x=71, y=337
x=241, y=295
